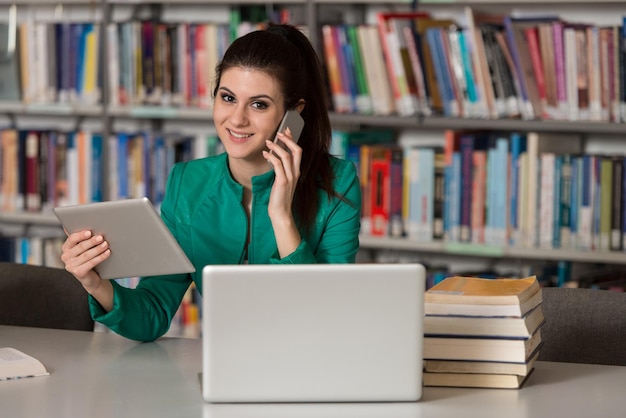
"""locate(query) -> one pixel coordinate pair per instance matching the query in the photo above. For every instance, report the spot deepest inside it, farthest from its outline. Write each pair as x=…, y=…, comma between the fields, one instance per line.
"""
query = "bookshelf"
x=109, y=117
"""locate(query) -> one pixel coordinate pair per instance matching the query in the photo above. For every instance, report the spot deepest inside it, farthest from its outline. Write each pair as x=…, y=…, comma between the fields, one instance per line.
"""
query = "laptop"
x=312, y=333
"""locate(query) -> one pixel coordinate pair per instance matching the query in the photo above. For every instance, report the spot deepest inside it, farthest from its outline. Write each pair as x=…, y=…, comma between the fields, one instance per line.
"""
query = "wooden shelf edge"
x=470, y=250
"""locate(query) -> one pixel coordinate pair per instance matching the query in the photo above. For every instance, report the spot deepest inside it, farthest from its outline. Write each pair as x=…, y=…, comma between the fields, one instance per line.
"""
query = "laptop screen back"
x=313, y=333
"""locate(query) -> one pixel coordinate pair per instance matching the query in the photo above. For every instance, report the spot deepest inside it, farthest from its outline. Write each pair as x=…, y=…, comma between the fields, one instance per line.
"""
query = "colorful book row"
x=35, y=250
x=493, y=66
x=489, y=188
x=40, y=170
x=148, y=62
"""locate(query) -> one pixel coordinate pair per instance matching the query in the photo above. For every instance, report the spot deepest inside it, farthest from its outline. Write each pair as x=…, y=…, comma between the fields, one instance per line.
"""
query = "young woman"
x=257, y=203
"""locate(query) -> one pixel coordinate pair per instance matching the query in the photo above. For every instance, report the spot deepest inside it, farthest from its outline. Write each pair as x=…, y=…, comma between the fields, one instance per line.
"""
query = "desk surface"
x=105, y=375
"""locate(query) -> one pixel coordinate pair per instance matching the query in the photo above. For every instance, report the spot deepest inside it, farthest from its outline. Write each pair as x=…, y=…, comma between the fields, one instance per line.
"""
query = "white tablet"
x=140, y=243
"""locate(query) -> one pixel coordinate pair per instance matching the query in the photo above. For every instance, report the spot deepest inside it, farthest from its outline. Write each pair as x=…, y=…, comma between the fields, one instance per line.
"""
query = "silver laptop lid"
x=313, y=333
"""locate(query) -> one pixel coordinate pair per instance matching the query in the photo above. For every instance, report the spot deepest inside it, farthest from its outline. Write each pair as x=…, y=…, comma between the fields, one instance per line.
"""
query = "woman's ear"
x=300, y=105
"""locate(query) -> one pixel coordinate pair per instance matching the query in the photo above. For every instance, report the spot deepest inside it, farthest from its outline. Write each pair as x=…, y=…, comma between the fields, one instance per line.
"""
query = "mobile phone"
x=294, y=122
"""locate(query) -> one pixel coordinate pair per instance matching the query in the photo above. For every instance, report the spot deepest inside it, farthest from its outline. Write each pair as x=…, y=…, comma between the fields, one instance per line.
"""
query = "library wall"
x=155, y=119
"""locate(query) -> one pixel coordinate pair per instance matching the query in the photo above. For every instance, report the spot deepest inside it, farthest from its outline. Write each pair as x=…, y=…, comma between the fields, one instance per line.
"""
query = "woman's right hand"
x=81, y=253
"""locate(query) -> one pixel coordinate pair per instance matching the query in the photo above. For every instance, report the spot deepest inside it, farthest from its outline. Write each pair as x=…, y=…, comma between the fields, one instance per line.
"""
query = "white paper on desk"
x=15, y=364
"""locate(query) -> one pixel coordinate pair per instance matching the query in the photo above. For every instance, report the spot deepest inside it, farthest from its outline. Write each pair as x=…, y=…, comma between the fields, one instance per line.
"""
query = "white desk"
x=104, y=375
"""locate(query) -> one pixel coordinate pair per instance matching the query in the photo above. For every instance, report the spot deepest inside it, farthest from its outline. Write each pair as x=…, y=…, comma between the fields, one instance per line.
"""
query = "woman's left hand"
x=287, y=172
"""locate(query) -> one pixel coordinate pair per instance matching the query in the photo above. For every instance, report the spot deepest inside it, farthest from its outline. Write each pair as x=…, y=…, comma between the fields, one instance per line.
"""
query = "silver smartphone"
x=294, y=122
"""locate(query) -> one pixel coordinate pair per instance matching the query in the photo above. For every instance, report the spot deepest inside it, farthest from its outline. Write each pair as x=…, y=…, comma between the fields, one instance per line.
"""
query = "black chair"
x=43, y=297
x=584, y=326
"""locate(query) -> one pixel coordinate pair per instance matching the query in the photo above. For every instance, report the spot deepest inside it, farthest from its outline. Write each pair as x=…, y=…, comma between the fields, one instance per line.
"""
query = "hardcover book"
x=481, y=326
x=458, y=295
x=481, y=367
x=474, y=380
x=482, y=349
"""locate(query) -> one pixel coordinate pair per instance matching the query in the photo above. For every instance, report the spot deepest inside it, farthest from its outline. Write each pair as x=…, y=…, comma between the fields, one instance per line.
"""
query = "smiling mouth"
x=239, y=136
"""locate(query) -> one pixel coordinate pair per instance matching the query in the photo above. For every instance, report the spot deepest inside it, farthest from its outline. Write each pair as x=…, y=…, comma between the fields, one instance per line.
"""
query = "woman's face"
x=249, y=105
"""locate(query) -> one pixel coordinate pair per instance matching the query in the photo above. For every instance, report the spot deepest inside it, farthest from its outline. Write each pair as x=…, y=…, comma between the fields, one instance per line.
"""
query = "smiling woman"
x=248, y=107
x=248, y=205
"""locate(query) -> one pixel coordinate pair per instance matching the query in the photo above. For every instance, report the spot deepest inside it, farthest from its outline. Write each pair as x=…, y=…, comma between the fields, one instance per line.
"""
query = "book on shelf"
x=483, y=326
x=537, y=144
x=375, y=70
x=419, y=170
x=515, y=350
x=364, y=102
x=9, y=63
x=346, y=69
x=522, y=59
x=338, y=89
x=437, y=101
x=15, y=364
x=483, y=297
x=489, y=72
x=386, y=173
x=508, y=72
x=475, y=380
x=522, y=368
x=396, y=57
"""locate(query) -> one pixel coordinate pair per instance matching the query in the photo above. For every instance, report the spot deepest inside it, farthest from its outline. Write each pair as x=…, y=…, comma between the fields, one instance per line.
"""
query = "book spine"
x=364, y=101
x=201, y=61
x=582, y=75
x=593, y=60
x=377, y=72
x=511, y=85
x=441, y=73
x=97, y=169
x=340, y=98
x=455, y=198
x=546, y=200
x=455, y=61
x=479, y=184
x=500, y=192
x=439, y=195
x=566, y=202
x=559, y=66
x=395, y=227
x=418, y=73
x=426, y=197
x=557, y=211
x=380, y=173
x=585, y=214
x=412, y=184
x=527, y=109
x=532, y=38
x=518, y=146
x=31, y=172
x=606, y=205
x=346, y=67
x=617, y=198
x=576, y=194
x=393, y=62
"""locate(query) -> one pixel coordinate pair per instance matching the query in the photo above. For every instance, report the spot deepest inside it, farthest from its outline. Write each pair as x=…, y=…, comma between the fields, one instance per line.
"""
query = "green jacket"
x=203, y=210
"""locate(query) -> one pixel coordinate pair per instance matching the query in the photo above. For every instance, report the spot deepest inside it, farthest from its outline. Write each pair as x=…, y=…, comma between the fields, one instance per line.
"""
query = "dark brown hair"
x=286, y=54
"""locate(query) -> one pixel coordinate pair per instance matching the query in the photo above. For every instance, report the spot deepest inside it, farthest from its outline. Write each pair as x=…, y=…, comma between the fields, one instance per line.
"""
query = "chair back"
x=43, y=297
x=584, y=326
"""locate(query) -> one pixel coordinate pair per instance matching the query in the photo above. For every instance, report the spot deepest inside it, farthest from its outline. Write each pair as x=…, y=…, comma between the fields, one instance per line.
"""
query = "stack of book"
x=482, y=332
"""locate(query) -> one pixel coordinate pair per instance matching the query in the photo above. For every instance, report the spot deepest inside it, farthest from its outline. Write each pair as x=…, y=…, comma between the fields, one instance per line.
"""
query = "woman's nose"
x=239, y=116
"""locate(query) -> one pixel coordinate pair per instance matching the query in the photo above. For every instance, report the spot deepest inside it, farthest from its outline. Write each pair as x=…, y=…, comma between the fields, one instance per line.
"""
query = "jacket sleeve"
x=337, y=234
x=145, y=313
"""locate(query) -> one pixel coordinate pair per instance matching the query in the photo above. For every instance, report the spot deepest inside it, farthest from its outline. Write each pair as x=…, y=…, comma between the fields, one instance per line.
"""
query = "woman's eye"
x=259, y=105
x=227, y=97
